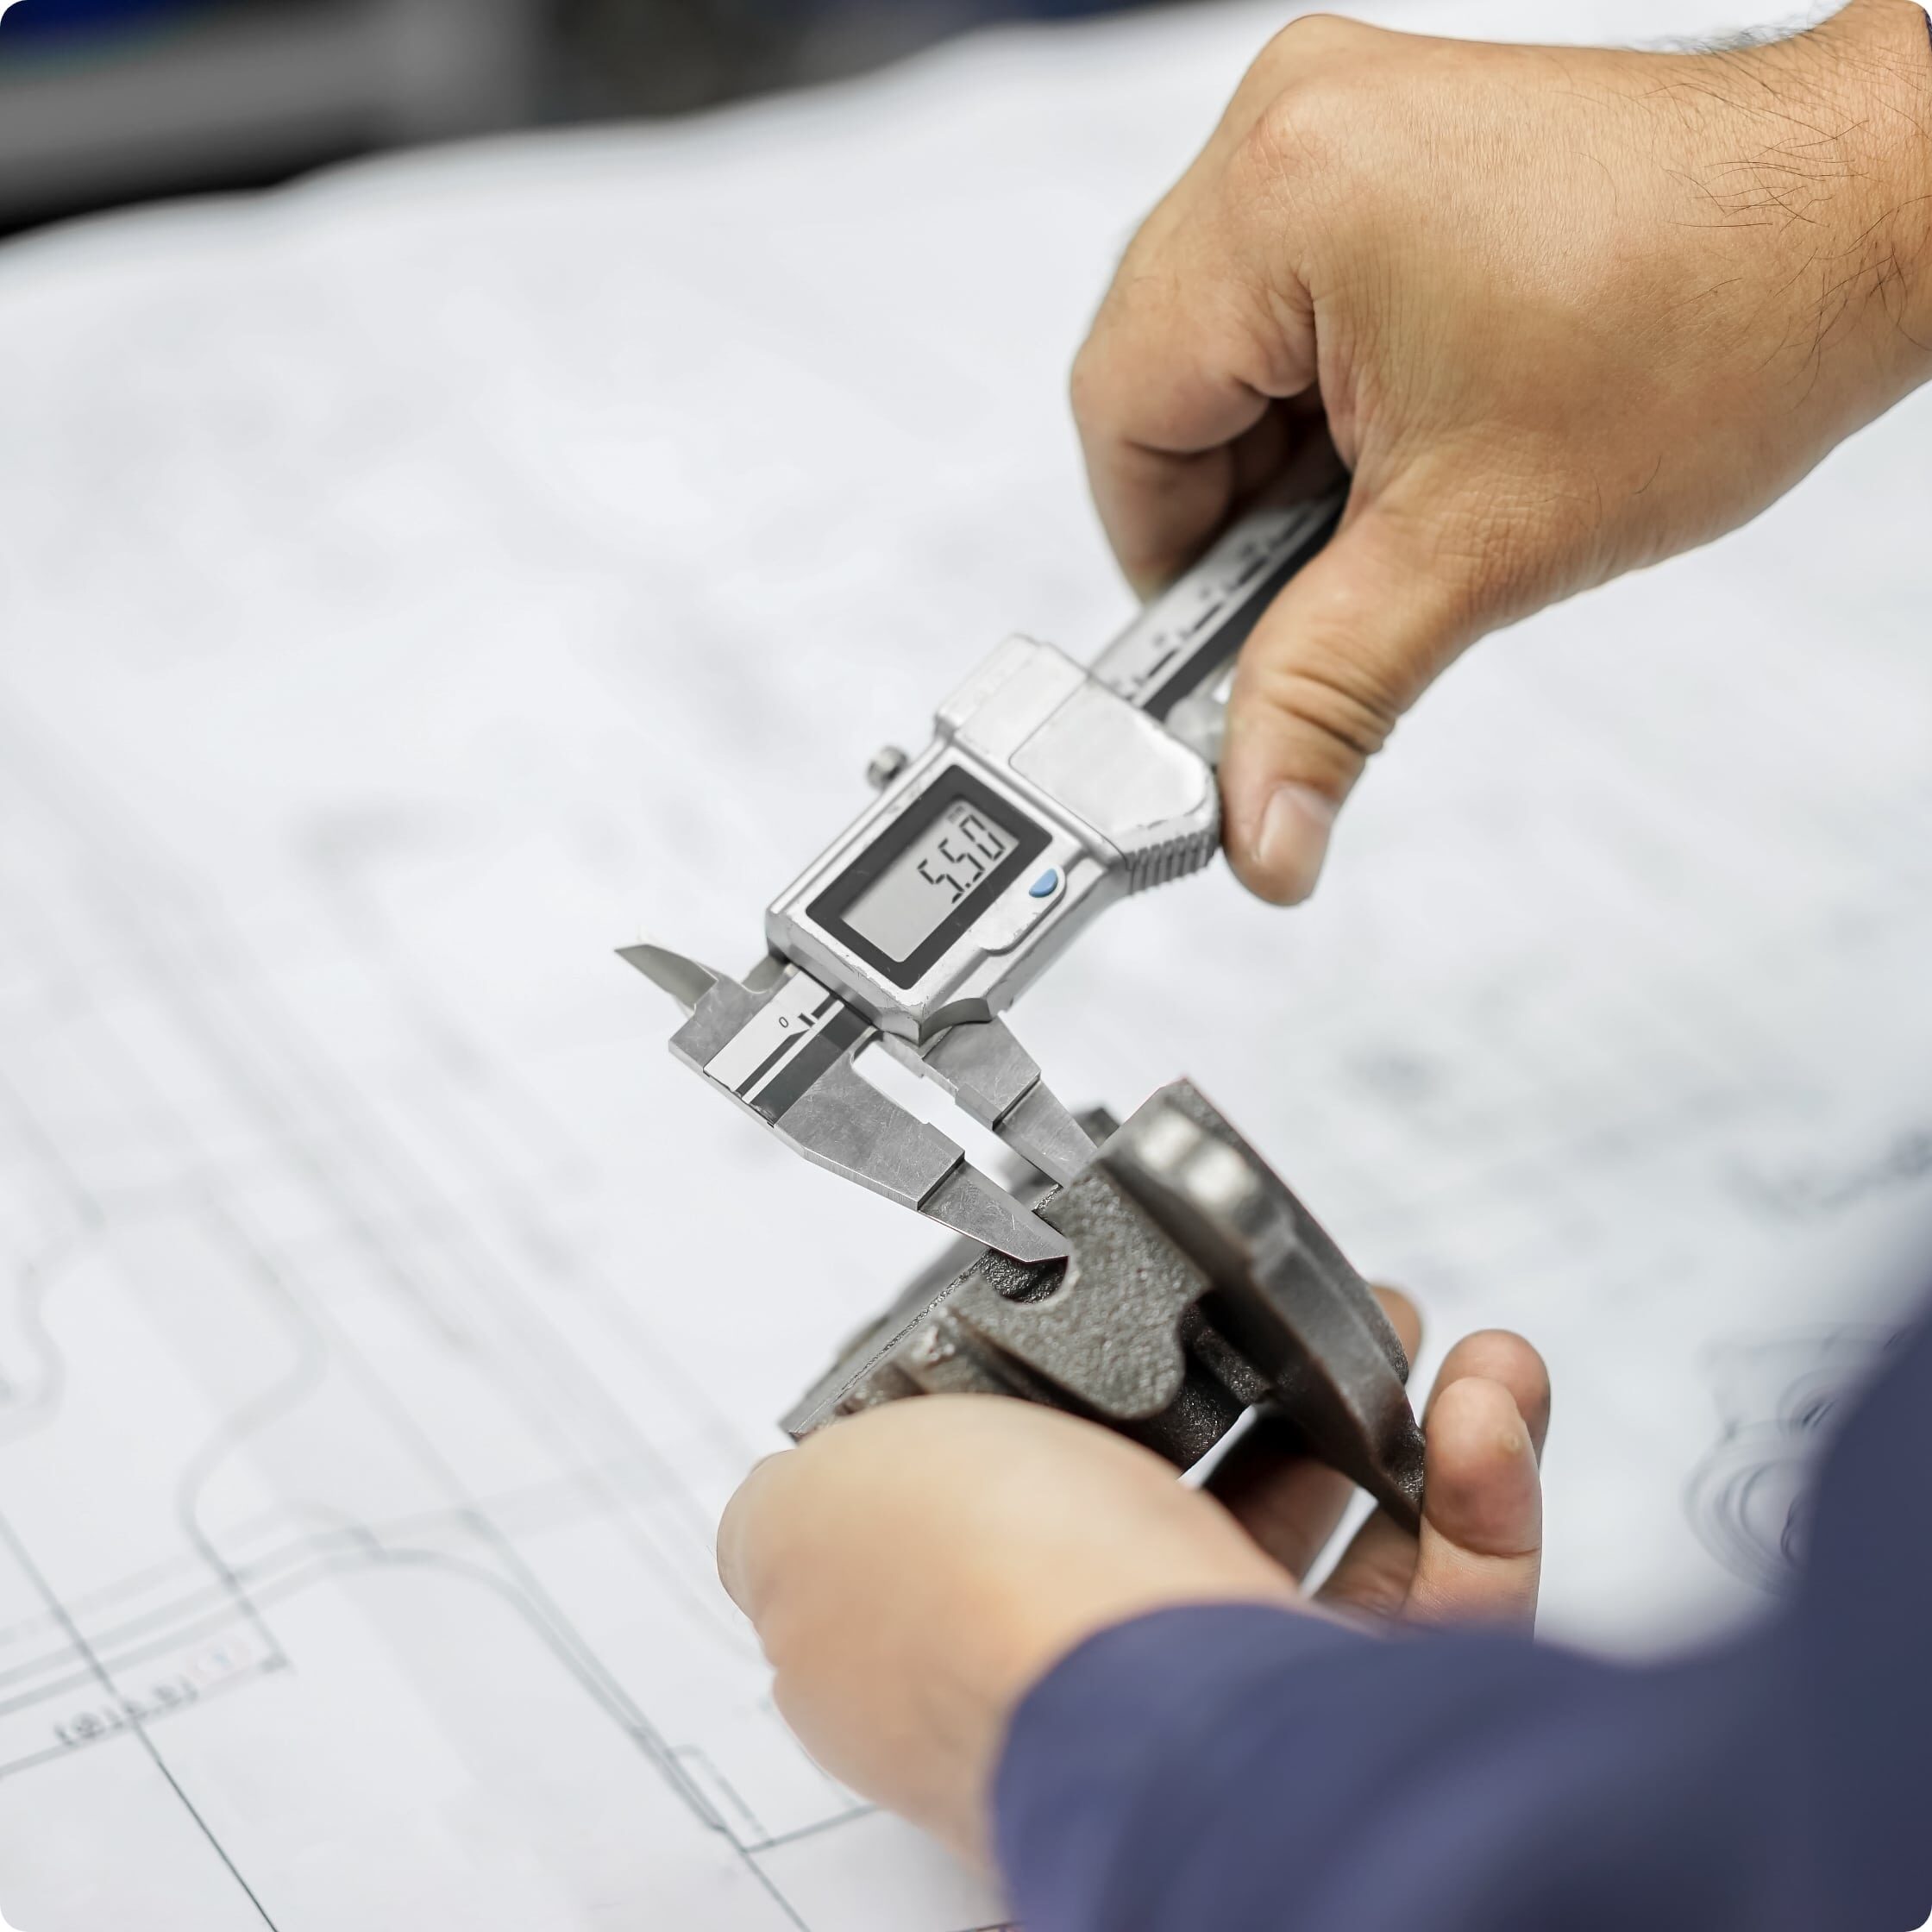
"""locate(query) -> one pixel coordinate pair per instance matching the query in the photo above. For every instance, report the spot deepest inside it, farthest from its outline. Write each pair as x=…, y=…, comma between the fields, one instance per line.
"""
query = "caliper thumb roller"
x=1157, y=1276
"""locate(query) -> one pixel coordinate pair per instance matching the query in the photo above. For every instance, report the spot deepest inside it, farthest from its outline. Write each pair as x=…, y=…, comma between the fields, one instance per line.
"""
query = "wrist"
x=1866, y=129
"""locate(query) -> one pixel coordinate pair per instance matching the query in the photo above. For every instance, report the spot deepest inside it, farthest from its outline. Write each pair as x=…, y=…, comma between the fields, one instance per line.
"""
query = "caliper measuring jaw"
x=784, y=1047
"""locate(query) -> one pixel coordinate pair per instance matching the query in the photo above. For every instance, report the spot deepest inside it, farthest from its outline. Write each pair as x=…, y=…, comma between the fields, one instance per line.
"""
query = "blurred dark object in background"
x=103, y=101
x=671, y=56
x=106, y=101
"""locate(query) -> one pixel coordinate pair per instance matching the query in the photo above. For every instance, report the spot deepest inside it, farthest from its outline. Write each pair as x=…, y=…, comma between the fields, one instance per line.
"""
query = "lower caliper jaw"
x=785, y=1047
x=1197, y=1287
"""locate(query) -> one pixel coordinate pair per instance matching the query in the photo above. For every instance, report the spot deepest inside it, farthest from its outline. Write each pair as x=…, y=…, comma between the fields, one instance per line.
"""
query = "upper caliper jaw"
x=783, y=1046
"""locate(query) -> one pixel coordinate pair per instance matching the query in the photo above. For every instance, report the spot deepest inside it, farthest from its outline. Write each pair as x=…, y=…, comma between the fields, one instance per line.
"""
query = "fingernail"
x=1294, y=840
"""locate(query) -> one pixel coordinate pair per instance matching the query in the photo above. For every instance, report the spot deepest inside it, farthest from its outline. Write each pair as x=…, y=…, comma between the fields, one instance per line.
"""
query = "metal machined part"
x=1197, y=1286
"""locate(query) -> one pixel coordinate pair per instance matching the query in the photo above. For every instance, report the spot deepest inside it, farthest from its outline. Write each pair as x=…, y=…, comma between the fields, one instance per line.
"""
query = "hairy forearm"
x=1815, y=186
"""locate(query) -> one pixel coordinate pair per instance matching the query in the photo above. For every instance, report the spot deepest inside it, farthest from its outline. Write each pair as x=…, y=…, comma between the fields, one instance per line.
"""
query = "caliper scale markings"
x=790, y=1042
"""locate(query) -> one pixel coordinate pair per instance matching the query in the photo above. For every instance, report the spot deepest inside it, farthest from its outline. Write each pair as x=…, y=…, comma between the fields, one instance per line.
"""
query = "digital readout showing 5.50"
x=902, y=907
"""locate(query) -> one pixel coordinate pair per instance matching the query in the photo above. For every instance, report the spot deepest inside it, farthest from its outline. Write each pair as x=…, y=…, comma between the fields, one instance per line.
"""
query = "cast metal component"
x=1197, y=1287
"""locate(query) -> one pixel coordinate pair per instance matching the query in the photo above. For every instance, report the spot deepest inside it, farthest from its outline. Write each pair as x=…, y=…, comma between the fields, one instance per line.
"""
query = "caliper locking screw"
x=887, y=762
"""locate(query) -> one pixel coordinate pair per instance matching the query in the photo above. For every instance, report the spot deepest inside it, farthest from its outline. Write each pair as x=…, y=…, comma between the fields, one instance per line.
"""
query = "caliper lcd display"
x=898, y=910
x=918, y=886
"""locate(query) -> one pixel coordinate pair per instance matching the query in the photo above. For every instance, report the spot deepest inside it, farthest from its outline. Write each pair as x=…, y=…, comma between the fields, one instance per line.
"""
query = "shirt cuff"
x=1115, y=1716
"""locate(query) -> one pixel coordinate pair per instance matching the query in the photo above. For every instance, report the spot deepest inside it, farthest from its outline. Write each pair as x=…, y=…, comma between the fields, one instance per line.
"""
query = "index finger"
x=742, y=1530
x=1198, y=338
x=1160, y=402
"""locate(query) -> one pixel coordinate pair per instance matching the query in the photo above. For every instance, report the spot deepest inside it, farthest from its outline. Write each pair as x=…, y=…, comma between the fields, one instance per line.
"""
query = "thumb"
x=1352, y=640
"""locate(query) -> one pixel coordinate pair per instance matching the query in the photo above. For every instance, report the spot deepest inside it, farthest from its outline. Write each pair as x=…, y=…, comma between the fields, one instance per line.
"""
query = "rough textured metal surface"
x=1284, y=1295
x=1103, y=1329
x=1197, y=1287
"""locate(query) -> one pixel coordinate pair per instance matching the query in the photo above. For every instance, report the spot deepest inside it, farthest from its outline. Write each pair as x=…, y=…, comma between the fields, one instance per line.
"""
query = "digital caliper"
x=1050, y=790
x=1162, y=1280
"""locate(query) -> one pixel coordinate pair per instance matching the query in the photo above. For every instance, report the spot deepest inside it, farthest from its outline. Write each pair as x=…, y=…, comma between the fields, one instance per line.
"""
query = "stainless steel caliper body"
x=1050, y=790
x=1169, y=1281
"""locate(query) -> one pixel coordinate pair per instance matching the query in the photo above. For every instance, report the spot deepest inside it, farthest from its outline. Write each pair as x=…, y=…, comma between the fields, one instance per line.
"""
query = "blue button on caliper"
x=1046, y=885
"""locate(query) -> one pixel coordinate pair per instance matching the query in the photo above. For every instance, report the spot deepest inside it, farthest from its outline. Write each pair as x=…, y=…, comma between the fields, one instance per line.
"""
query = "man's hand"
x=1564, y=312
x=914, y=1570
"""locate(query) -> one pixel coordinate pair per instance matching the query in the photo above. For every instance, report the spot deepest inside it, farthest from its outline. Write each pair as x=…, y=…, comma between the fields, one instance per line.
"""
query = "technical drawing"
x=239, y=1263
x=395, y=622
x=1749, y=1498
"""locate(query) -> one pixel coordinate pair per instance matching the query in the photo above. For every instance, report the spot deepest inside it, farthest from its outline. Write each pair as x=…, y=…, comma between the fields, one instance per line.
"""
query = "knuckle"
x=1295, y=51
x=1380, y=1588
x=1083, y=384
x=1301, y=135
x=1333, y=690
x=1309, y=39
x=1109, y=367
x=1304, y=77
x=1092, y=393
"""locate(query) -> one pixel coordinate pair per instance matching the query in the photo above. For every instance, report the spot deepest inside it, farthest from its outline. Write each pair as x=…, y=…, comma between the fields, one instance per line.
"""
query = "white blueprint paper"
x=411, y=589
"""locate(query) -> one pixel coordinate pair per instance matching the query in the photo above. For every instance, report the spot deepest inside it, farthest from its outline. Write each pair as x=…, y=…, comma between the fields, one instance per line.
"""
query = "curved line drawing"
x=1746, y=1501
x=349, y=1197
x=303, y=1378
x=138, y=1581
x=1779, y=1398
x=271, y=1574
x=35, y=1284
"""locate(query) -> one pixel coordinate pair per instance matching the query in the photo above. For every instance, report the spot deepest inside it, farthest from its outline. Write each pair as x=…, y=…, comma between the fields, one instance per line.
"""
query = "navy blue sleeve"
x=1248, y=1770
